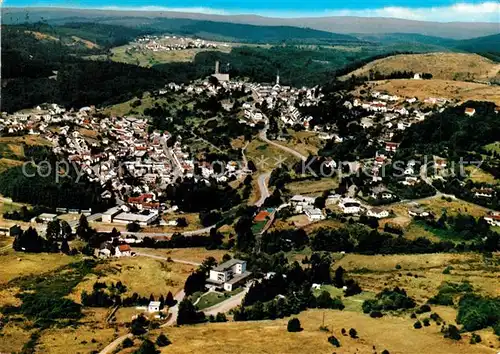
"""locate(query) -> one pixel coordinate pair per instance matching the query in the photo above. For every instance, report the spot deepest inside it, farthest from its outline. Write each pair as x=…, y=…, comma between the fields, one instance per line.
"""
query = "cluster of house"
x=169, y=43
x=108, y=149
x=346, y=205
x=285, y=98
x=107, y=249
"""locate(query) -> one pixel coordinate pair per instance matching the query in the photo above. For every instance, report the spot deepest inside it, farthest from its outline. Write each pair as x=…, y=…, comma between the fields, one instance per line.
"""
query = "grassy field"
x=213, y=298
x=92, y=334
x=264, y=156
x=421, y=275
x=15, y=264
x=142, y=275
x=443, y=66
x=351, y=303
x=395, y=334
x=12, y=149
x=452, y=90
x=197, y=255
x=493, y=147
x=312, y=187
x=147, y=58
x=307, y=143
x=479, y=176
x=436, y=205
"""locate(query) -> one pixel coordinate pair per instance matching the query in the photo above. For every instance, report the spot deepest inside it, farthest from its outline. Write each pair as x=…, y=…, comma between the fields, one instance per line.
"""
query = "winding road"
x=264, y=191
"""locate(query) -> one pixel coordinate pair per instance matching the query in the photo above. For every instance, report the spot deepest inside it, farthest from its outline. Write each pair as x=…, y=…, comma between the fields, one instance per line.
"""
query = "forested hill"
x=118, y=31
x=243, y=33
x=36, y=71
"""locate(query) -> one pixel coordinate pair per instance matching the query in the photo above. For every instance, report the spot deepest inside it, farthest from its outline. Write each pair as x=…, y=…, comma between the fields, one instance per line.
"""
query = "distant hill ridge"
x=339, y=24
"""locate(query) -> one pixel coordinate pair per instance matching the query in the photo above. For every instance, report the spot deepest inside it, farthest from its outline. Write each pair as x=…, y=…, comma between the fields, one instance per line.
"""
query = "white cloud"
x=460, y=12
x=488, y=11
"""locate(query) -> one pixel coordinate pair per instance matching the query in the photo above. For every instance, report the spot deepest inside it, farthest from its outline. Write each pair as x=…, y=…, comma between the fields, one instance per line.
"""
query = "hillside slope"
x=443, y=66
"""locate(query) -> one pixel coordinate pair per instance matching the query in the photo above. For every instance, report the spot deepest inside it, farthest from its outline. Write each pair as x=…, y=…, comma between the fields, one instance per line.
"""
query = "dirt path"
x=114, y=344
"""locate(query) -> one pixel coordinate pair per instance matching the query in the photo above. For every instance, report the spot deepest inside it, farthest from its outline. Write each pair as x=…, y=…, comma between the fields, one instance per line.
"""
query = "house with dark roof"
x=229, y=275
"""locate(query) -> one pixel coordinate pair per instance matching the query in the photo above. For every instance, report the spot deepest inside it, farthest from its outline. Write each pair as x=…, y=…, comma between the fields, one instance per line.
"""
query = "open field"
x=493, y=146
x=142, y=275
x=421, y=275
x=479, y=176
x=91, y=334
x=307, y=143
x=266, y=156
x=313, y=188
x=12, y=149
x=196, y=255
x=452, y=90
x=436, y=205
x=351, y=303
x=16, y=264
x=148, y=58
x=443, y=66
x=396, y=334
x=26, y=139
x=5, y=164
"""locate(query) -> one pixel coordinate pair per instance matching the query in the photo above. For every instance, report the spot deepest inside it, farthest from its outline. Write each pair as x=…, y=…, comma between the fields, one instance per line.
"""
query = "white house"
x=378, y=213
x=123, y=251
x=493, y=220
x=229, y=275
x=470, y=111
x=417, y=212
x=314, y=214
x=300, y=202
x=350, y=206
x=154, y=306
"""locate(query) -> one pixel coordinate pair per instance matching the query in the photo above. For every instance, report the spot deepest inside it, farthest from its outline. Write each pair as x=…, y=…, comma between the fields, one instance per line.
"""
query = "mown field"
x=395, y=334
x=452, y=90
x=443, y=66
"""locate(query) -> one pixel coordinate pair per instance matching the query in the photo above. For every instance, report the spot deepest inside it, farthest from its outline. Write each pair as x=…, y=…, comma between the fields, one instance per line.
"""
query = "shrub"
x=294, y=325
x=447, y=270
x=423, y=309
x=147, y=347
x=426, y=322
x=398, y=266
x=334, y=341
x=451, y=332
x=353, y=333
x=385, y=351
x=127, y=343
x=417, y=325
x=162, y=340
x=476, y=312
x=476, y=338
x=435, y=317
x=389, y=300
x=376, y=314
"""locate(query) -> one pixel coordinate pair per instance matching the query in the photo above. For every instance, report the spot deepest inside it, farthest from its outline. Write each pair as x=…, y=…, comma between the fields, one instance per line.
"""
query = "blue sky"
x=436, y=10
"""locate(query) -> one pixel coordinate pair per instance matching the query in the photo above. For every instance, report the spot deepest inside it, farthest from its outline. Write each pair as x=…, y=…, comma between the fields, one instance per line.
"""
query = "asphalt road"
x=264, y=191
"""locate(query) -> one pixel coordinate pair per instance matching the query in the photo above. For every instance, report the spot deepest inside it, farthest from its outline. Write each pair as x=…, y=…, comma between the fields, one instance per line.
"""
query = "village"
x=113, y=150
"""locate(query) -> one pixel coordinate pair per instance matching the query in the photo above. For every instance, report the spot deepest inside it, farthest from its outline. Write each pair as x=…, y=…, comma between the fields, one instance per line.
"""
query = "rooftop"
x=226, y=265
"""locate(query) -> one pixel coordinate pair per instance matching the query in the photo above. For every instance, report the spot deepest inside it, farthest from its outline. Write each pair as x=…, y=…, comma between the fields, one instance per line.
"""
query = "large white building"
x=350, y=206
x=229, y=275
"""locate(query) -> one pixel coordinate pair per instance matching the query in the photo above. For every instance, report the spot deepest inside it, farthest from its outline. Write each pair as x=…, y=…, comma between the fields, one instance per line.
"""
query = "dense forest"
x=453, y=129
x=45, y=187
